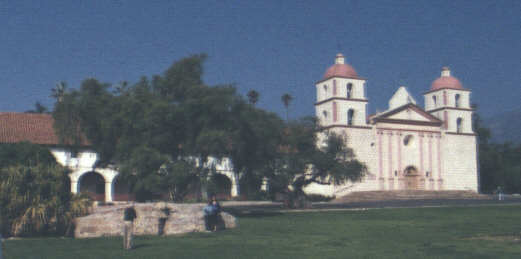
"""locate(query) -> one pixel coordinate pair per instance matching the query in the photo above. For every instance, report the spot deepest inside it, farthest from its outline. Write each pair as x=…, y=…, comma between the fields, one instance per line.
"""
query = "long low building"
x=102, y=184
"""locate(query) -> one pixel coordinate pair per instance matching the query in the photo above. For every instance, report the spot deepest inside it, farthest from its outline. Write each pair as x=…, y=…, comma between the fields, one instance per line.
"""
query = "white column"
x=235, y=191
x=265, y=184
x=108, y=191
x=74, y=187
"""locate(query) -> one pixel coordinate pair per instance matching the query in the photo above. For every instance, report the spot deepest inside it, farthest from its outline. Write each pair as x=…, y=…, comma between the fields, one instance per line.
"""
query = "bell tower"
x=450, y=102
x=341, y=99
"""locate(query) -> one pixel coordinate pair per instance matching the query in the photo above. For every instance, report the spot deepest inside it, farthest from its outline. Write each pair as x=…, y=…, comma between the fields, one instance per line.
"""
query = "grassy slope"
x=384, y=233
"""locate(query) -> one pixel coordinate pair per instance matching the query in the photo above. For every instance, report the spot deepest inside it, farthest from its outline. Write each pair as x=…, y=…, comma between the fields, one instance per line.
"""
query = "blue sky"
x=274, y=47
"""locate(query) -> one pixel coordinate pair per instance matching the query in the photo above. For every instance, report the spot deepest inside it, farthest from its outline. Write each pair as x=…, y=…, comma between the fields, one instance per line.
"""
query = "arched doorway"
x=412, y=178
x=121, y=190
x=221, y=186
x=93, y=184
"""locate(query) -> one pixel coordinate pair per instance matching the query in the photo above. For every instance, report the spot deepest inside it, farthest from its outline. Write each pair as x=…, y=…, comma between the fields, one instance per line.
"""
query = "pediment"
x=407, y=114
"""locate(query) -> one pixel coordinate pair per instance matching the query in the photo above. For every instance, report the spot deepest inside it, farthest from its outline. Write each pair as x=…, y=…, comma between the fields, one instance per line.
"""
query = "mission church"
x=404, y=148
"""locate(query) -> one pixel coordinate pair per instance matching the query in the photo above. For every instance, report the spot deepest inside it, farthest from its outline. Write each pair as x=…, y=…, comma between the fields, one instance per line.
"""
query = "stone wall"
x=151, y=220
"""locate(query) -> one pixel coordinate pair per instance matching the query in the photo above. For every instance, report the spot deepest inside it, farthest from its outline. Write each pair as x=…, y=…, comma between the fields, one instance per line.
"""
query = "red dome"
x=340, y=69
x=446, y=81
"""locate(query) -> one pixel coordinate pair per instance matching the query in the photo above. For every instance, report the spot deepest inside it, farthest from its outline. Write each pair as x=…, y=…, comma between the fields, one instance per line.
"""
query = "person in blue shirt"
x=211, y=214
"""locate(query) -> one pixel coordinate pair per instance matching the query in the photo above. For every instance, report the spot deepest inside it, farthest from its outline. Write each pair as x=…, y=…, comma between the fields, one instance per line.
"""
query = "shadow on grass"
x=252, y=213
x=138, y=246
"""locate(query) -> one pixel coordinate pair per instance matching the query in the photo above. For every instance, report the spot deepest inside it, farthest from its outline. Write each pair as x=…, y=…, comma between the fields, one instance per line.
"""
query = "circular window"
x=407, y=140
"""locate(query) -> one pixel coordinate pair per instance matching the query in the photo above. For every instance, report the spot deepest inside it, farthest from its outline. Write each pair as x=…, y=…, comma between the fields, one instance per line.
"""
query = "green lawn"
x=467, y=232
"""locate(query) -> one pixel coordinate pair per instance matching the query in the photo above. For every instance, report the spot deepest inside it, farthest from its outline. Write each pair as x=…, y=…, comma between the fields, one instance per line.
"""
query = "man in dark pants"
x=128, y=226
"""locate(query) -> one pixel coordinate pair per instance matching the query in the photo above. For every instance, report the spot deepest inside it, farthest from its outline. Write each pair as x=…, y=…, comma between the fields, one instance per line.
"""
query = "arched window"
x=434, y=100
x=349, y=90
x=350, y=116
x=457, y=100
x=458, y=125
x=325, y=115
x=407, y=140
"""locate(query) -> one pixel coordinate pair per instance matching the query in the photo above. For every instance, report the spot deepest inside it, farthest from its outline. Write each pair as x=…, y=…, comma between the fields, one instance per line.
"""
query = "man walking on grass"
x=128, y=227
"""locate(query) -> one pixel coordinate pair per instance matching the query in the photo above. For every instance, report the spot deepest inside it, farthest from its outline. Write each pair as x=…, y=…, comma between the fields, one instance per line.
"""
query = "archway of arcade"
x=93, y=184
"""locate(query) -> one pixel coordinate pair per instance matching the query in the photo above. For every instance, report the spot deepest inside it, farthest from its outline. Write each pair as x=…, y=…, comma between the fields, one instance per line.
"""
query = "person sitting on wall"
x=211, y=214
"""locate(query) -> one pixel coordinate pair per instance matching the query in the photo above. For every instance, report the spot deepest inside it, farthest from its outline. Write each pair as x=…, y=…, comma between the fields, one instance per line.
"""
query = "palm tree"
x=286, y=99
x=59, y=91
x=253, y=97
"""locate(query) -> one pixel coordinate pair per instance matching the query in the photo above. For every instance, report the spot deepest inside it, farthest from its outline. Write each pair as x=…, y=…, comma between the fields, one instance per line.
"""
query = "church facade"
x=405, y=147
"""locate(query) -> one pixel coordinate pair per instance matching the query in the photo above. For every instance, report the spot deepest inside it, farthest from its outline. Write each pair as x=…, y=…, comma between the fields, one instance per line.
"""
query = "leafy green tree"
x=160, y=133
x=304, y=159
x=499, y=164
x=35, y=196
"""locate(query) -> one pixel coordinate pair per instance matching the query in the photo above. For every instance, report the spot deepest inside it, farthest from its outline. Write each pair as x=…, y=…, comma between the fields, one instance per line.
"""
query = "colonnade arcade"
x=103, y=184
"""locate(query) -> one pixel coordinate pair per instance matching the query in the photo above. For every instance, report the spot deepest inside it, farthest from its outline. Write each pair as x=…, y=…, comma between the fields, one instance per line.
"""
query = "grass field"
x=466, y=232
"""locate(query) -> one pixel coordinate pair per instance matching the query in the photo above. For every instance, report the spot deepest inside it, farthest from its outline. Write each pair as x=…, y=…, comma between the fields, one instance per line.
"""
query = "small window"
x=349, y=90
x=434, y=100
x=325, y=114
x=74, y=154
x=458, y=125
x=457, y=100
x=427, y=174
x=407, y=140
x=350, y=116
x=395, y=173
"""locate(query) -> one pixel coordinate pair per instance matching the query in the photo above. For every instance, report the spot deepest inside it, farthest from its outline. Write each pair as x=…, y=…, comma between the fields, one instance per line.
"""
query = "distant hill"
x=505, y=127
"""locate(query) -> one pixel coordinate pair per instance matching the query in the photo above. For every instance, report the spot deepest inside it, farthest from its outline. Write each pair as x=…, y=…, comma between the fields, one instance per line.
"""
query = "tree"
x=160, y=133
x=253, y=97
x=286, y=100
x=499, y=164
x=59, y=91
x=38, y=108
x=35, y=196
x=304, y=159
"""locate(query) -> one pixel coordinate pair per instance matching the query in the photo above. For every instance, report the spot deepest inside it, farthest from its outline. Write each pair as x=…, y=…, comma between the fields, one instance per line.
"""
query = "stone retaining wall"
x=151, y=220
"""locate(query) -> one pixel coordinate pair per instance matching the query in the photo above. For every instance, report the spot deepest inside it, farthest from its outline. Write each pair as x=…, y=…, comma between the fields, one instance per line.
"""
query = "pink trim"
x=446, y=119
x=390, y=154
x=430, y=156
x=410, y=130
x=421, y=153
x=439, y=159
x=334, y=87
x=334, y=112
x=380, y=158
x=399, y=142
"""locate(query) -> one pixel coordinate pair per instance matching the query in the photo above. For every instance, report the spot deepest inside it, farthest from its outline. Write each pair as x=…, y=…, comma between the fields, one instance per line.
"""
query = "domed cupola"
x=340, y=69
x=446, y=81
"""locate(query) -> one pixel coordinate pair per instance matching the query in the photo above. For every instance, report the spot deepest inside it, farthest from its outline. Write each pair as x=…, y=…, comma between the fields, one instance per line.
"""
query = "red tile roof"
x=36, y=128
